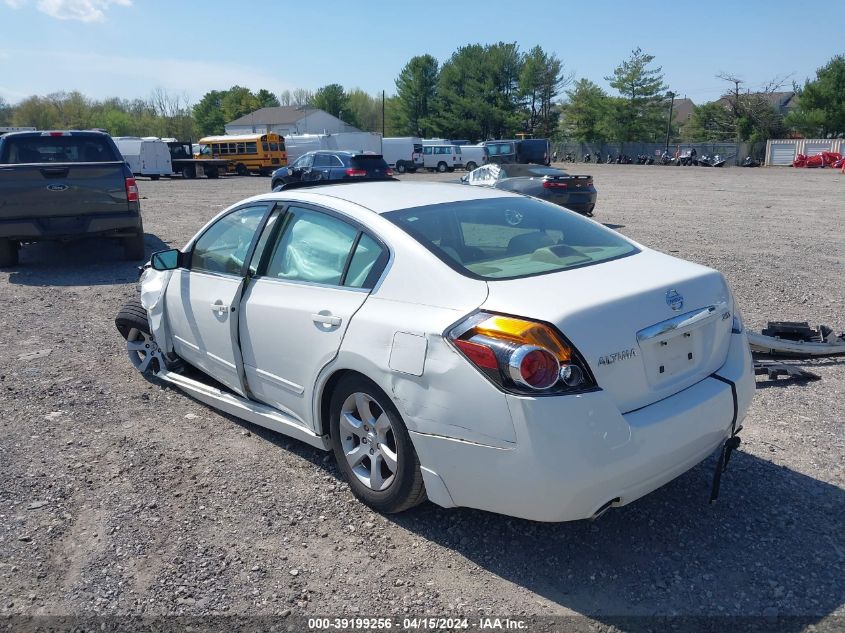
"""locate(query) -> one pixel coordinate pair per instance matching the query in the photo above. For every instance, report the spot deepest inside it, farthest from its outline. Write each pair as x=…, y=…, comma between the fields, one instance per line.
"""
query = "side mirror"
x=166, y=260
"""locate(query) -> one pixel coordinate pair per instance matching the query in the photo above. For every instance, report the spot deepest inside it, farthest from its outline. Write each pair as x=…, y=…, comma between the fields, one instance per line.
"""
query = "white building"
x=287, y=120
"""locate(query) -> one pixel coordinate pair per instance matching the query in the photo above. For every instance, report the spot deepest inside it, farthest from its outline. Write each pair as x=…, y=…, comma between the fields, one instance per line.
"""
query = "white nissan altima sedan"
x=474, y=347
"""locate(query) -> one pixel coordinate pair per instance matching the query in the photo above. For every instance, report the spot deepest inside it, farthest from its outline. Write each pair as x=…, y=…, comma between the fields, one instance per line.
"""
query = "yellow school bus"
x=247, y=153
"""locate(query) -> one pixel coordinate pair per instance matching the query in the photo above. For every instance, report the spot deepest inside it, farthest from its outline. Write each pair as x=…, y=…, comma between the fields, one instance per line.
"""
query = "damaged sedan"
x=467, y=345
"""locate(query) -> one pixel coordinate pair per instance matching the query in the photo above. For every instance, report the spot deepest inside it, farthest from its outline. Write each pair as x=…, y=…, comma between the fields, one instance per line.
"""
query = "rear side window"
x=367, y=262
x=509, y=238
x=57, y=149
x=322, y=160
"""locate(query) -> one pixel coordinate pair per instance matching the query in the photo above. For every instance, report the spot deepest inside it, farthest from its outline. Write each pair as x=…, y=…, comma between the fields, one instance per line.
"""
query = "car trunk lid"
x=648, y=325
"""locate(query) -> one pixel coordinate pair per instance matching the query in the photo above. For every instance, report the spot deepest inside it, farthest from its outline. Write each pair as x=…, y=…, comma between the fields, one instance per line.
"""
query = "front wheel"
x=442, y=167
x=373, y=448
x=189, y=172
x=141, y=348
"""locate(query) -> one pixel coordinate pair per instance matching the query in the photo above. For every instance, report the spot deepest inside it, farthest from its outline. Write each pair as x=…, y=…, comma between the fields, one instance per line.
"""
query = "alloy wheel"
x=368, y=441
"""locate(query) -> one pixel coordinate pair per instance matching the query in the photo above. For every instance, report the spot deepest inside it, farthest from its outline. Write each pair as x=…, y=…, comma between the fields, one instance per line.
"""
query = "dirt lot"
x=119, y=496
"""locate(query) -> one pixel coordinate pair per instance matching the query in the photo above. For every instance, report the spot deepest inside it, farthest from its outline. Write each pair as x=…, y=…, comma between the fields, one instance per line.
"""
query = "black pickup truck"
x=63, y=185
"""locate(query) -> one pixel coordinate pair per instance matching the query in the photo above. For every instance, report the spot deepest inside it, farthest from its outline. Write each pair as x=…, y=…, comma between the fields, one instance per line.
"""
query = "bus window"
x=252, y=148
x=274, y=147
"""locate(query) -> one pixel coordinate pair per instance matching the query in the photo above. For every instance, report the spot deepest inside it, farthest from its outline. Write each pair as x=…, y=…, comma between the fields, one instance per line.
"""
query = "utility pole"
x=671, y=96
x=382, y=113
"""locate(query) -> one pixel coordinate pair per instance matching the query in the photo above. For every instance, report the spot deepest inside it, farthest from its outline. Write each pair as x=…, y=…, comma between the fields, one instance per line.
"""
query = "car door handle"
x=219, y=307
x=326, y=319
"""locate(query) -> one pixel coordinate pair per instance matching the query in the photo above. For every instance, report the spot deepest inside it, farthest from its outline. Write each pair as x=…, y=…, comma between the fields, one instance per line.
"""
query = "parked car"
x=555, y=185
x=473, y=156
x=467, y=345
x=532, y=150
x=442, y=158
x=331, y=165
x=63, y=185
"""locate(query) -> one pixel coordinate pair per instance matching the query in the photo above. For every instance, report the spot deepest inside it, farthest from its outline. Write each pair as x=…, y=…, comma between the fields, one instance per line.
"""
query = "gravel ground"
x=120, y=496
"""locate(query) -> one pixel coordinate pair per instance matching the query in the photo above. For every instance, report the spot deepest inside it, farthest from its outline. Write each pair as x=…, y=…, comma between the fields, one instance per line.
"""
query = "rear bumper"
x=574, y=454
x=69, y=227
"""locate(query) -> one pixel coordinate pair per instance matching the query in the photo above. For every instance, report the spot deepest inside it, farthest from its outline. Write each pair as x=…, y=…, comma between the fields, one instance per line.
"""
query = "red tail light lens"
x=521, y=356
x=356, y=173
x=554, y=184
x=389, y=171
x=131, y=190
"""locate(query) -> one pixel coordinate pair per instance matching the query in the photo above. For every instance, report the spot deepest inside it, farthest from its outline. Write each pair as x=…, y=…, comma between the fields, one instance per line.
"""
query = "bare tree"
x=301, y=97
x=752, y=114
x=285, y=98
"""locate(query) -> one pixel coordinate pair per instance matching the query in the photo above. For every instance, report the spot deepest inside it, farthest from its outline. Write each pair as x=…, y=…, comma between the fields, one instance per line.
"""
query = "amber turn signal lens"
x=524, y=333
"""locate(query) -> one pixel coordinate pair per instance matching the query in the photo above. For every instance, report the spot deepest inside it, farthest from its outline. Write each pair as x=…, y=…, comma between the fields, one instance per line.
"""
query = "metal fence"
x=734, y=153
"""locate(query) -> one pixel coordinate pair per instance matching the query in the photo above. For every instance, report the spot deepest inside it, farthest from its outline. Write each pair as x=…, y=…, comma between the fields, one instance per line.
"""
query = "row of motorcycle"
x=686, y=159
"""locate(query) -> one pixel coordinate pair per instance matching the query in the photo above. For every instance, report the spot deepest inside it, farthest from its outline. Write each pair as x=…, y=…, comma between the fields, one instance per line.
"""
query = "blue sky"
x=129, y=47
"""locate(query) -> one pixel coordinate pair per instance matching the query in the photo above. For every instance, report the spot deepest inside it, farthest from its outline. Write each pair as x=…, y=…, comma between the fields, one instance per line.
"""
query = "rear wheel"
x=470, y=166
x=241, y=170
x=373, y=448
x=154, y=177
x=141, y=348
x=212, y=173
x=442, y=167
x=189, y=172
x=9, y=250
x=133, y=247
x=400, y=167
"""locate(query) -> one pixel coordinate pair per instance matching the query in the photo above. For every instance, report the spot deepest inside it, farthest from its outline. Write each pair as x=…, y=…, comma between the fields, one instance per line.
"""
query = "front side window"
x=224, y=245
x=507, y=238
x=314, y=248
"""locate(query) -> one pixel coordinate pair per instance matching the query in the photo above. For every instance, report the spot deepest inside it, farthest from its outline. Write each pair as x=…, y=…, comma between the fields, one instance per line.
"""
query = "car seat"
x=529, y=242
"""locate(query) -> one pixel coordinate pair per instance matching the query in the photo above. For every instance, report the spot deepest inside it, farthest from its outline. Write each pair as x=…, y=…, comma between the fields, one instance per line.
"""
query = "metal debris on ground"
x=775, y=370
x=793, y=339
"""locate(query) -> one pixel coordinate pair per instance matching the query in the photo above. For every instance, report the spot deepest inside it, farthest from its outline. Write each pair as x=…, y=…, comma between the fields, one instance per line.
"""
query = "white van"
x=145, y=156
x=442, y=157
x=403, y=153
x=473, y=156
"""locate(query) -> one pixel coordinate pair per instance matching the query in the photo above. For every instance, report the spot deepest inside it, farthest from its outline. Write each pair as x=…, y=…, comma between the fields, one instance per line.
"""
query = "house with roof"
x=287, y=120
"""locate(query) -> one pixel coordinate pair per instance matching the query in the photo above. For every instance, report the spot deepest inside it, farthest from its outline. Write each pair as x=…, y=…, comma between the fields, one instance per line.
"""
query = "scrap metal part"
x=775, y=370
x=793, y=339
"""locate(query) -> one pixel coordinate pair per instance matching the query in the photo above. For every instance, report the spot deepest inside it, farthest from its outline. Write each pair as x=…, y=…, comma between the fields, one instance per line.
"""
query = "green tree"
x=585, y=114
x=416, y=88
x=821, y=102
x=639, y=114
x=208, y=114
x=710, y=122
x=332, y=99
x=5, y=112
x=237, y=102
x=752, y=115
x=267, y=99
x=540, y=80
x=365, y=109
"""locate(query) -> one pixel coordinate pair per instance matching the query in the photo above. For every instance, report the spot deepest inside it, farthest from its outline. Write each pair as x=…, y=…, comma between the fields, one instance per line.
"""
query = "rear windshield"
x=509, y=238
x=369, y=161
x=57, y=149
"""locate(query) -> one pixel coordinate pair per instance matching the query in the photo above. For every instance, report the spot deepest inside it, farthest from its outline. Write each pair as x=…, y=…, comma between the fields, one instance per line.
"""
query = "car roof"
x=39, y=133
x=385, y=196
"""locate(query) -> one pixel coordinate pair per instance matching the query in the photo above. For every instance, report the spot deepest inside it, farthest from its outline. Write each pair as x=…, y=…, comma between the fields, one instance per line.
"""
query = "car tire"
x=241, y=170
x=189, y=172
x=9, y=250
x=400, y=167
x=442, y=167
x=470, y=166
x=154, y=177
x=132, y=323
x=384, y=487
x=133, y=247
x=212, y=173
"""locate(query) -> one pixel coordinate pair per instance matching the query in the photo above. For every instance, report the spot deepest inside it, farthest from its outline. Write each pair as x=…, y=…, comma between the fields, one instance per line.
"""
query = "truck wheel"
x=442, y=167
x=154, y=177
x=241, y=170
x=400, y=167
x=470, y=166
x=189, y=172
x=133, y=247
x=9, y=253
x=212, y=173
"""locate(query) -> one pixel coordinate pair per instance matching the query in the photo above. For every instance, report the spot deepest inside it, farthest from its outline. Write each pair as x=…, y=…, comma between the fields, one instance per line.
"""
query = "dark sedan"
x=573, y=192
x=331, y=165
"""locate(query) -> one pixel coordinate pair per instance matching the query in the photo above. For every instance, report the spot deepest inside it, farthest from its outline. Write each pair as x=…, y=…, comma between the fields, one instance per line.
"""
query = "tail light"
x=389, y=171
x=521, y=356
x=356, y=173
x=554, y=184
x=131, y=190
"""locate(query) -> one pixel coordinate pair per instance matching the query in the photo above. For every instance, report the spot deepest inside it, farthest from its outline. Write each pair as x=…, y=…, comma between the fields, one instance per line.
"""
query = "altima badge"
x=624, y=354
x=674, y=300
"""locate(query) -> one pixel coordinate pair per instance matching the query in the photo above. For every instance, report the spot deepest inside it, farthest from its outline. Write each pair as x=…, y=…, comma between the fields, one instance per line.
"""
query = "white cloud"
x=82, y=10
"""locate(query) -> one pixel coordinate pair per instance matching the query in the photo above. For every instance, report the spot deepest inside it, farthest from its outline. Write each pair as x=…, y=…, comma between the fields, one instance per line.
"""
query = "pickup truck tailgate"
x=62, y=189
